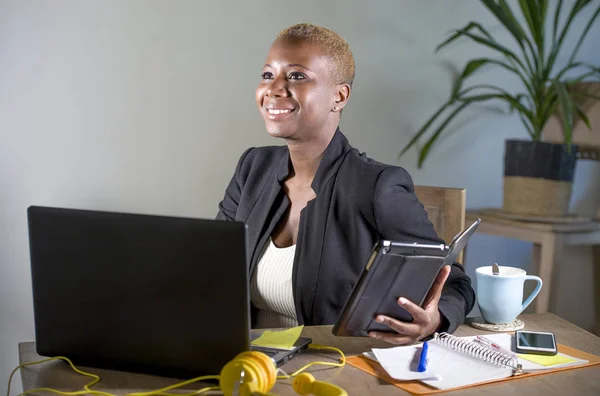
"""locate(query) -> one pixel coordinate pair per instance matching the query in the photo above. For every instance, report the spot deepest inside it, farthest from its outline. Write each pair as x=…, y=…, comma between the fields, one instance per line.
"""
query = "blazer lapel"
x=265, y=216
x=311, y=233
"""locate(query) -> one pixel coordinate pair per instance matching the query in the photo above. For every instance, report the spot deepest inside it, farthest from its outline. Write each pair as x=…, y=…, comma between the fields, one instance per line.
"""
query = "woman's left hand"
x=426, y=320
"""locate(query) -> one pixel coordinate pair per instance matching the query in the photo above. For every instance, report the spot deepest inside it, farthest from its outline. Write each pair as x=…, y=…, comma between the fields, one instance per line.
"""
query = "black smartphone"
x=536, y=342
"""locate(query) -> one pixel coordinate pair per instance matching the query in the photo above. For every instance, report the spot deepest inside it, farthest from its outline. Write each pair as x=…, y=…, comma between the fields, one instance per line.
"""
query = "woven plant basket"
x=538, y=177
x=536, y=196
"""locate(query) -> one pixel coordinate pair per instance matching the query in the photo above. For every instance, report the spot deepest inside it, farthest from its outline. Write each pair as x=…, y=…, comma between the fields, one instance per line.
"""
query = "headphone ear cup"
x=259, y=373
x=305, y=384
x=259, y=376
x=268, y=368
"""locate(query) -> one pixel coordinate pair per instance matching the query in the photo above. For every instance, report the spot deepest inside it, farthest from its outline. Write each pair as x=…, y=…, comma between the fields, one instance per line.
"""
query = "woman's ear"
x=342, y=95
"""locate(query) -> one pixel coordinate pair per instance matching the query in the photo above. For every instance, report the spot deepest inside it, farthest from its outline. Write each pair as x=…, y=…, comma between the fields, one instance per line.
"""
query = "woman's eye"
x=266, y=75
x=297, y=76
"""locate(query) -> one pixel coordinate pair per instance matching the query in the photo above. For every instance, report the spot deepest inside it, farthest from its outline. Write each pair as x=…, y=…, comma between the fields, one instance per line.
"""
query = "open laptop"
x=157, y=294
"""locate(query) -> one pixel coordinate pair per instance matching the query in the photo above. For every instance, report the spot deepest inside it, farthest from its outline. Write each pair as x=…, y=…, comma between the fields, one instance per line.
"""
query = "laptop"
x=161, y=295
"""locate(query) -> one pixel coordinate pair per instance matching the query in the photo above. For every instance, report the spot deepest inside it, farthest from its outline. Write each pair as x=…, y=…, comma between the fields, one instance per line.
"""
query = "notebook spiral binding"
x=478, y=351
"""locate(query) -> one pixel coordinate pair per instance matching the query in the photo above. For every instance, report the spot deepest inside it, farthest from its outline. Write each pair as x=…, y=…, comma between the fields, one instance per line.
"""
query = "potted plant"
x=537, y=175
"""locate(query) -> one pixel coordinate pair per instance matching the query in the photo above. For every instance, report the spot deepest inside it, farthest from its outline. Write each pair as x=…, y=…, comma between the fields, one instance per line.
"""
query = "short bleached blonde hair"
x=333, y=45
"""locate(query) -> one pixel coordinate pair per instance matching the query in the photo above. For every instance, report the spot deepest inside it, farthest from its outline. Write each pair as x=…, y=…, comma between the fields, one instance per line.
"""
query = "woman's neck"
x=306, y=157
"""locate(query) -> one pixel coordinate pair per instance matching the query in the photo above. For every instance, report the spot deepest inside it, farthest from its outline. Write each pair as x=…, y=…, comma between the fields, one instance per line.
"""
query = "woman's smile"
x=276, y=112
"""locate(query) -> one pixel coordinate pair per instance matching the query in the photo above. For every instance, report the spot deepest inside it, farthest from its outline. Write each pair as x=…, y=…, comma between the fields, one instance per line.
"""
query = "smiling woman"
x=308, y=75
x=315, y=206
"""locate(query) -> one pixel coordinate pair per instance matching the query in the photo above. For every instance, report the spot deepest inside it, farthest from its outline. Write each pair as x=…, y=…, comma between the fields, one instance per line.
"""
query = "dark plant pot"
x=538, y=177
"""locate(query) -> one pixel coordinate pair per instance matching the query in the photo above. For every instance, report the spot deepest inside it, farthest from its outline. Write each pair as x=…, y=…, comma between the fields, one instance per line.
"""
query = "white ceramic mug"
x=500, y=297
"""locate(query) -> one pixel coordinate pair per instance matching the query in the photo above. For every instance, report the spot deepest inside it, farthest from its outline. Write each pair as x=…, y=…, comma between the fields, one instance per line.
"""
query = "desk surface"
x=582, y=381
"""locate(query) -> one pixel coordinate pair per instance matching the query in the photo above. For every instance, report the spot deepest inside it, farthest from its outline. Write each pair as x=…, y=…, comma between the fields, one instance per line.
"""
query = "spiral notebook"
x=456, y=362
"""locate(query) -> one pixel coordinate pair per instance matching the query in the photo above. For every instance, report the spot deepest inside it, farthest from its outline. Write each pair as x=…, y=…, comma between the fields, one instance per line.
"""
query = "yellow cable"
x=317, y=346
x=73, y=393
x=86, y=387
x=96, y=379
x=194, y=393
x=174, y=386
x=159, y=392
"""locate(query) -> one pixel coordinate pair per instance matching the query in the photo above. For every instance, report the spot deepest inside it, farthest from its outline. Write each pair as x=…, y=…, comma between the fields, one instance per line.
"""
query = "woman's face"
x=296, y=95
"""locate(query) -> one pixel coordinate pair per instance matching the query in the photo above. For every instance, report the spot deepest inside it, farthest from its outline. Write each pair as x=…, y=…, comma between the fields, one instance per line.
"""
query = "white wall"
x=145, y=106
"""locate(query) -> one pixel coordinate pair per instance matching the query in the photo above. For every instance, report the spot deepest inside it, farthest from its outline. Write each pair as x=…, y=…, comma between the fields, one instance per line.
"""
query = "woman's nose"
x=277, y=87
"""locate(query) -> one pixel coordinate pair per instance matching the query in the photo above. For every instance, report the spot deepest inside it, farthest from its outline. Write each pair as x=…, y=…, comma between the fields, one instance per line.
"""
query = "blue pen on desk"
x=423, y=359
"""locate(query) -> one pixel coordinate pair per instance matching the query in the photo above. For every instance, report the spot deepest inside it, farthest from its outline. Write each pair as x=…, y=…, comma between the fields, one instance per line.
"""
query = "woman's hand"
x=426, y=320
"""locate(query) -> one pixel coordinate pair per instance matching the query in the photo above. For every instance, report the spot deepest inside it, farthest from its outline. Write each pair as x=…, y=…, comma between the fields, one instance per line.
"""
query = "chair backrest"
x=446, y=208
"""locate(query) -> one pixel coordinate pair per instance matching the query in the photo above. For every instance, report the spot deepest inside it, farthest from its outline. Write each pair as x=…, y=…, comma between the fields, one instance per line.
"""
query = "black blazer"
x=359, y=201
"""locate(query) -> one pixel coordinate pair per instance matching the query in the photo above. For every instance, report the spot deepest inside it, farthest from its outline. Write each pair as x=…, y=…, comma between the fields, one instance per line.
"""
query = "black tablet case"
x=395, y=270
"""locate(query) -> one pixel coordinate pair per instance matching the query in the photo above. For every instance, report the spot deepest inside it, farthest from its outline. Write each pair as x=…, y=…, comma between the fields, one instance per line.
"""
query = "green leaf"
x=486, y=40
x=501, y=94
x=423, y=129
x=469, y=69
x=473, y=65
x=427, y=147
x=567, y=110
x=498, y=47
x=545, y=109
x=535, y=15
x=505, y=66
x=456, y=86
x=583, y=117
x=460, y=32
x=586, y=95
x=518, y=98
x=575, y=65
x=583, y=34
x=476, y=64
x=575, y=9
x=556, y=18
x=530, y=18
x=512, y=102
x=527, y=125
x=465, y=102
x=543, y=8
x=583, y=76
x=504, y=14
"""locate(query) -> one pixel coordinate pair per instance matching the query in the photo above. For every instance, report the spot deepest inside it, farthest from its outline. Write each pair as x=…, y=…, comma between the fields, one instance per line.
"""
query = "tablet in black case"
x=395, y=269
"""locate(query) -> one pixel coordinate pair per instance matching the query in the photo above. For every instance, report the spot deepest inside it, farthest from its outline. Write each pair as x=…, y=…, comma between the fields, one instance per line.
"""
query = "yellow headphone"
x=250, y=373
x=254, y=373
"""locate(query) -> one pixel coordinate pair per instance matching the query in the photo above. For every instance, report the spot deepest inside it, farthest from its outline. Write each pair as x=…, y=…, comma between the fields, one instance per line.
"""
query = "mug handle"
x=534, y=293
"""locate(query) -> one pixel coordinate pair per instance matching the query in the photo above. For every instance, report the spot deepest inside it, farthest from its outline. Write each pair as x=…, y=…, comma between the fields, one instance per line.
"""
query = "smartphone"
x=536, y=342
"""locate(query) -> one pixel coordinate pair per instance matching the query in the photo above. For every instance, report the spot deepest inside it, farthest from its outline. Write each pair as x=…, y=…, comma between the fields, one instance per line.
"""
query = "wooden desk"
x=582, y=381
x=548, y=239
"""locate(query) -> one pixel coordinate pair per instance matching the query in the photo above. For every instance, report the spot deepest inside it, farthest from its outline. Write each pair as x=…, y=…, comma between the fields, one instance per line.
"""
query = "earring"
x=334, y=108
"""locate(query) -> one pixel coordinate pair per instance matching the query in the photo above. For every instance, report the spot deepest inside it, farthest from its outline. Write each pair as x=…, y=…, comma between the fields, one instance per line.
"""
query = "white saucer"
x=481, y=324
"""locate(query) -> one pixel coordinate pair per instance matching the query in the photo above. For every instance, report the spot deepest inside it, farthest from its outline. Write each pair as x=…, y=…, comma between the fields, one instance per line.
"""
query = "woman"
x=315, y=207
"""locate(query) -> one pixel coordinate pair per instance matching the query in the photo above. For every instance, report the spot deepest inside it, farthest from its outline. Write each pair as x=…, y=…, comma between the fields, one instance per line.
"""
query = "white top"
x=271, y=287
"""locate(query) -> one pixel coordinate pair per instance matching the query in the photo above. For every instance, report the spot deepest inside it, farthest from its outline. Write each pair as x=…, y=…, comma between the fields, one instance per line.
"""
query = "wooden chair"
x=446, y=209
